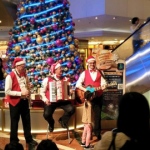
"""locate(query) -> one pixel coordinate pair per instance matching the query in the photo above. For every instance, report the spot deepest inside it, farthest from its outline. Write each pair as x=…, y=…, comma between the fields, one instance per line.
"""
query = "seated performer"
x=50, y=107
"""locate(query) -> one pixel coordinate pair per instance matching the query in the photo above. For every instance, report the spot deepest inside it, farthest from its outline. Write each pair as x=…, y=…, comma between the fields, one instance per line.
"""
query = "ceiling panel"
x=105, y=27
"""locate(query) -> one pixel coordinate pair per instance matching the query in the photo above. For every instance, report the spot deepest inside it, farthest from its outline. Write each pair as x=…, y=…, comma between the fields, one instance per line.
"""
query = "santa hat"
x=90, y=58
x=54, y=67
x=18, y=61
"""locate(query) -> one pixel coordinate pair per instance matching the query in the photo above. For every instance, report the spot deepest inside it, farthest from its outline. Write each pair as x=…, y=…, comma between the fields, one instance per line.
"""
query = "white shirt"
x=8, y=85
x=133, y=28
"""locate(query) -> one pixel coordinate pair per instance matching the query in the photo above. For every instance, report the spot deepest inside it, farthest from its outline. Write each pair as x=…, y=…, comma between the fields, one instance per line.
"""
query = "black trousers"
x=68, y=108
x=97, y=103
x=21, y=109
x=137, y=44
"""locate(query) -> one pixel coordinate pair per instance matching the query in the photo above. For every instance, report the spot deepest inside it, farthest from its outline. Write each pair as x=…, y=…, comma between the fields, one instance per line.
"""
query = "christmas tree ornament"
x=46, y=39
x=28, y=39
x=70, y=38
x=32, y=20
x=22, y=10
x=50, y=61
x=17, y=48
x=69, y=64
x=76, y=76
x=54, y=20
x=72, y=47
x=59, y=43
x=20, y=38
x=76, y=41
x=39, y=39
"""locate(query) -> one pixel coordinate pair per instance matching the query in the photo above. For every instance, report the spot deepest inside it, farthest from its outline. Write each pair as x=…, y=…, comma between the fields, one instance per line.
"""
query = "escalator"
x=138, y=63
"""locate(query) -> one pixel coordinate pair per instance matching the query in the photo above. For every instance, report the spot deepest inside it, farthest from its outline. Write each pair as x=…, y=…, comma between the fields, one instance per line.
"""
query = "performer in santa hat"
x=17, y=95
x=49, y=108
x=93, y=77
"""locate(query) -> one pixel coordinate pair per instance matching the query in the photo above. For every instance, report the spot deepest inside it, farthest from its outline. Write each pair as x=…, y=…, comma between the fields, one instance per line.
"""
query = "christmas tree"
x=43, y=34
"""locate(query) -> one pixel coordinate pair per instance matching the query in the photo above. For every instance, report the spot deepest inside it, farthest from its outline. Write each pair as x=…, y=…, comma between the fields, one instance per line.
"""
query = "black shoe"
x=89, y=147
x=51, y=128
x=33, y=143
x=82, y=144
x=64, y=125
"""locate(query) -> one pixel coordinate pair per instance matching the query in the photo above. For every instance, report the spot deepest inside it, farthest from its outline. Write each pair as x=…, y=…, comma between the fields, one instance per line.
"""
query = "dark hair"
x=133, y=117
x=47, y=144
x=87, y=97
x=134, y=20
x=10, y=146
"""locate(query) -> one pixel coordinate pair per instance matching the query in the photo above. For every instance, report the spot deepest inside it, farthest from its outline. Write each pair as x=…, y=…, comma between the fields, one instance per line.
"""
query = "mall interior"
x=102, y=27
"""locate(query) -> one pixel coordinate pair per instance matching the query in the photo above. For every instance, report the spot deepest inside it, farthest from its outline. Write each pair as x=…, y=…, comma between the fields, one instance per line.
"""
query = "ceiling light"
x=114, y=17
x=130, y=20
x=96, y=17
x=78, y=20
x=0, y=21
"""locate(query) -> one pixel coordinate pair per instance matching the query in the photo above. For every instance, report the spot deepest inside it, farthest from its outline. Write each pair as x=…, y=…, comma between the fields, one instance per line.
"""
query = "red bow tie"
x=92, y=70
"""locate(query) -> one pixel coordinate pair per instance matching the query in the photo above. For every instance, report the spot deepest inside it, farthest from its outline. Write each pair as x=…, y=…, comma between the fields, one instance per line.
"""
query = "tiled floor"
x=61, y=139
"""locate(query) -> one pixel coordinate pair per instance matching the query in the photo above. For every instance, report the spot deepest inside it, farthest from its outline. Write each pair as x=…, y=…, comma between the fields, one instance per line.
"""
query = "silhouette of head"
x=88, y=95
x=133, y=115
x=17, y=146
x=134, y=20
x=47, y=145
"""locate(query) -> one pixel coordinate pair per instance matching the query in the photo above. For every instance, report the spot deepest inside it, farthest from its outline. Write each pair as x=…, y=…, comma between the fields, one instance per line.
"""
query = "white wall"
x=128, y=8
x=86, y=8
x=124, y=8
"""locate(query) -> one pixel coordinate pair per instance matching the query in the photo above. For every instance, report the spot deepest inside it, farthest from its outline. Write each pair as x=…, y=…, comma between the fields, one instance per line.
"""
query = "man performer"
x=49, y=108
x=94, y=78
x=17, y=94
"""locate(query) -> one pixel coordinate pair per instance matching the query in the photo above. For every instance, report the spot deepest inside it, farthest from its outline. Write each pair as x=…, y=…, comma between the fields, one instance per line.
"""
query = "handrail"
x=148, y=20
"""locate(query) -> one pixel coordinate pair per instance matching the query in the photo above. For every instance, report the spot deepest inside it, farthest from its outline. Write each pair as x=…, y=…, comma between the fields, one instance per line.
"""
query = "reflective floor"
x=61, y=139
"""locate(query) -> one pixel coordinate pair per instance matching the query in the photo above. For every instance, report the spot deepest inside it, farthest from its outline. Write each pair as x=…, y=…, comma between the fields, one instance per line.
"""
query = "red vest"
x=89, y=81
x=14, y=100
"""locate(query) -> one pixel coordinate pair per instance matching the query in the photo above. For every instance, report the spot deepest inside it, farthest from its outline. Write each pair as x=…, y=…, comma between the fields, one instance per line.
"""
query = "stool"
x=68, y=133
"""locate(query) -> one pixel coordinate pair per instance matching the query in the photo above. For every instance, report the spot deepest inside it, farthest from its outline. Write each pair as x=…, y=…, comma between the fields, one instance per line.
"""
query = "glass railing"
x=125, y=49
x=138, y=63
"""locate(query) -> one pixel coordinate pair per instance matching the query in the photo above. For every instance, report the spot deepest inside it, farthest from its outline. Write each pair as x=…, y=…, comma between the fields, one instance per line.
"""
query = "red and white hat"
x=18, y=61
x=90, y=58
x=54, y=67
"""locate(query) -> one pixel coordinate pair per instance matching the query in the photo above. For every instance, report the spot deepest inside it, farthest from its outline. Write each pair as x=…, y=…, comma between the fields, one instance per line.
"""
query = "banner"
x=114, y=73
